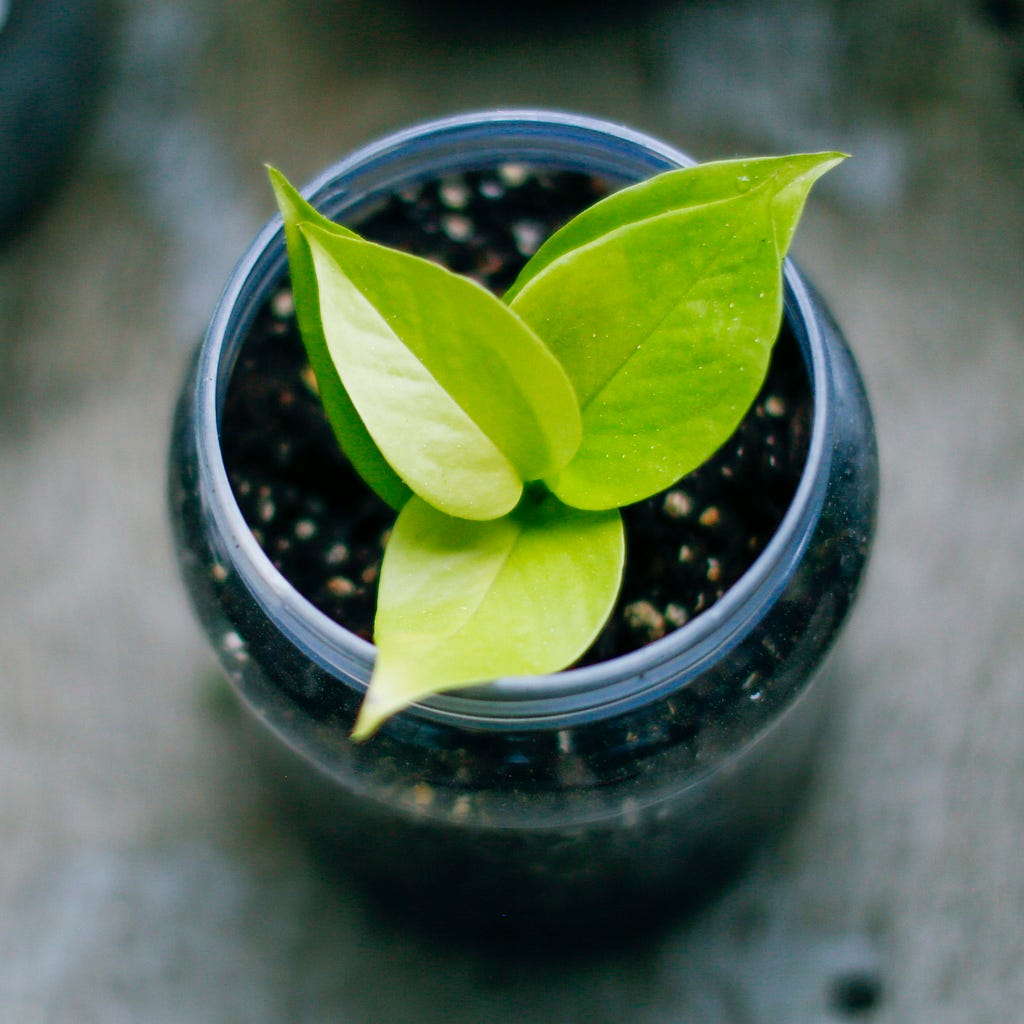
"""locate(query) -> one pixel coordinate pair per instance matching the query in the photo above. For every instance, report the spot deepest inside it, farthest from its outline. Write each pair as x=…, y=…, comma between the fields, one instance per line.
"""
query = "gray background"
x=144, y=874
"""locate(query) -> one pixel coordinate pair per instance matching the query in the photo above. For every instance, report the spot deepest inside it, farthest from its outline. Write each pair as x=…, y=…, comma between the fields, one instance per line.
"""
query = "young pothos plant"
x=508, y=432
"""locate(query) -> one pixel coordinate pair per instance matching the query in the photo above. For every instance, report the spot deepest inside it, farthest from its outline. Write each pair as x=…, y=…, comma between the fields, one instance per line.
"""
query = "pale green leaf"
x=434, y=446
x=679, y=189
x=460, y=396
x=349, y=429
x=464, y=602
x=665, y=328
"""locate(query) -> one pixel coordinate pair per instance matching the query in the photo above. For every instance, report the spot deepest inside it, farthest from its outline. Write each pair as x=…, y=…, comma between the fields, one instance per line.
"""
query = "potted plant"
x=640, y=776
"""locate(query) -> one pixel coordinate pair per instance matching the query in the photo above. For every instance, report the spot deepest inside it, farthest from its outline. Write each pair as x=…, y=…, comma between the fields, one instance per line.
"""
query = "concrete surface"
x=143, y=874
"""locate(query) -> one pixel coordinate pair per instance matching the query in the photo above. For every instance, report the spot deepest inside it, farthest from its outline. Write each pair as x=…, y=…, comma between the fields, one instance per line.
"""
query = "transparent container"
x=635, y=784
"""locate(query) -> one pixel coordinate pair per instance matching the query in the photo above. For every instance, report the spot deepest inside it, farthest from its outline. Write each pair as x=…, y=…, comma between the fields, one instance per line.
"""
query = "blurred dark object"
x=51, y=54
x=1008, y=17
x=525, y=16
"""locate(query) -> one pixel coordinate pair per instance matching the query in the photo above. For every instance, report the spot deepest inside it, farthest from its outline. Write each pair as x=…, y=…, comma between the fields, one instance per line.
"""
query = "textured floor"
x=143, y=875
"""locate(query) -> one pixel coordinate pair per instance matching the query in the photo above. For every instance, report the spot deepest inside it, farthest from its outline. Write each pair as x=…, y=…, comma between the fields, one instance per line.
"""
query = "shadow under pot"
x=640, y=778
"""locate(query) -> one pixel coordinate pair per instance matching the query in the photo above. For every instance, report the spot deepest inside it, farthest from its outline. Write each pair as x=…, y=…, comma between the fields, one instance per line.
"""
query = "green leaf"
x=465, y=602
x=676, y=190
x=665, y=327
x=461, y=398
x=349, y=429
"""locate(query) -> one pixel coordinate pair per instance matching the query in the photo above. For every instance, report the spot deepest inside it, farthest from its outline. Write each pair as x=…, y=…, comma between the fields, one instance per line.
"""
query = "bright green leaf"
x=422, y=431
x=464, y=602
x=462, y=399
x=677, y=190
x=665, y=328
x=352, y=435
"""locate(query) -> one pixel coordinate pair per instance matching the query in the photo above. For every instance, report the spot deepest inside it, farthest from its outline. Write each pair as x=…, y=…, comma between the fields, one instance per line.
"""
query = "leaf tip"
x=833, y=159
x=289, y=201
x=385, y=697
x=278, y=182
x=825, y=163
x=368, y=721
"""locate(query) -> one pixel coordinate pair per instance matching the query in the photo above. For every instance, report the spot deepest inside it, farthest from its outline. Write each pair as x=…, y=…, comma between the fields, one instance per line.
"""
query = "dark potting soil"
x=324, y=529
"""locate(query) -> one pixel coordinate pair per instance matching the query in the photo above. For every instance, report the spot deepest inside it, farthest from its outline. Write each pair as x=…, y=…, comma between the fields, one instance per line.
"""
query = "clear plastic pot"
x=639, y=782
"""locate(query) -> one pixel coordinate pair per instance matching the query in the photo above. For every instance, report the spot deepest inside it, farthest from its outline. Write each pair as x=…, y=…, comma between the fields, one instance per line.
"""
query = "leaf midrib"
x=436, y=639
x=669, y=312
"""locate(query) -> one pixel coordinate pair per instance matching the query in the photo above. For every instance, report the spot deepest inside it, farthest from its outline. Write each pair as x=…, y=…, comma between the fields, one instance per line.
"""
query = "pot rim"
x=557, y=698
